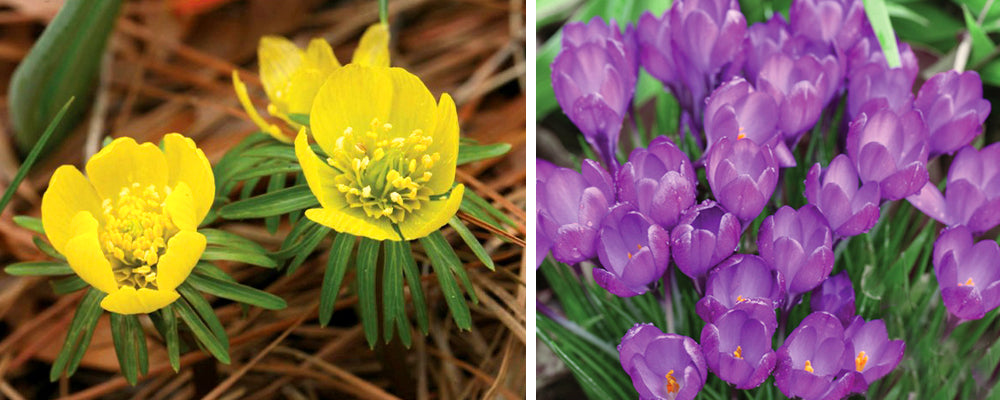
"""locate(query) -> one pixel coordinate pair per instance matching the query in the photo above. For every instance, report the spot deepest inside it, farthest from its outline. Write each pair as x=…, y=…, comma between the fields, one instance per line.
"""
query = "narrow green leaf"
x=230, y=254
x=393, y=304
x=78, y=335
x=216, y=237
x=274, y=152
x=472, y=242
x=468, y=153
x=208, y=269
x=201, y=332
x=38, y=268
x=30, y=223
x=47, y=248
x=449, y=286
x=67, y=285
x=205, y=311
x=367, y=268
x=982, y=46
x=412, y=275
x=27, y=139
x=124, y=341
x=442, y=248
x=266, y=170
x=170, y=337
x=486, y=206
x=336, y=266
x=878, y=16
x=274, y=203
x=140, y=344
x=294, y=240
x=275, y=183
x=301, y=119
x=308, y=245
x=236, y=292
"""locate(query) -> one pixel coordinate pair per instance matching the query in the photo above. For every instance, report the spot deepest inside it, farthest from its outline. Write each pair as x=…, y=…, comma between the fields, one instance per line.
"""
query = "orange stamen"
x=809, y=366
x=967, y=283
x=860, y=361
x=672, y=385
x=739, y=352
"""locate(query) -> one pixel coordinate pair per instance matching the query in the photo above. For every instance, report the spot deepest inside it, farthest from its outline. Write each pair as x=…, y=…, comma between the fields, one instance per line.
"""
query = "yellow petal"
x=279, y=58
x=319, y=175
x=84, y=254
x=413, y=106
x=351, y=97
x=319, y=55
x=179, y=206
x=432, y=215
x=354, y=222
x=127, y=300
x=123, y=162
x=302, y=88
x=69, y=192
x=183, y=252
x=446, y=144
x=244, y=97
x=373, y=49
x=188, y=164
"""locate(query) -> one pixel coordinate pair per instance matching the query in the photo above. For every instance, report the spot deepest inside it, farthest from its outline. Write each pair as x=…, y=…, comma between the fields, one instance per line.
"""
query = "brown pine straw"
x=170, y=73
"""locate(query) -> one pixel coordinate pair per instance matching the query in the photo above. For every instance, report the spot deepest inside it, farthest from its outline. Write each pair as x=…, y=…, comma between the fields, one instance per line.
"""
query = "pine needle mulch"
x=169, y=71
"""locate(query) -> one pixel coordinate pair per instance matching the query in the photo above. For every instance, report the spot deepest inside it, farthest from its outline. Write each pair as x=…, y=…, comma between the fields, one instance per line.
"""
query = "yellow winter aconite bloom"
x=391, y=153
x=129, y=228
x=291, y=76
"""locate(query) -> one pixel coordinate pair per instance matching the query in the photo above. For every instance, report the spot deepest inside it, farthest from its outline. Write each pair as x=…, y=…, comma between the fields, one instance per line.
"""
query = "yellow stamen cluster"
x=740, y=299
x=739, y=352
x=672, y=385
x=860, y=361
x=967, y=283
x=384, y=175
x=809, y=367
x=135, y=232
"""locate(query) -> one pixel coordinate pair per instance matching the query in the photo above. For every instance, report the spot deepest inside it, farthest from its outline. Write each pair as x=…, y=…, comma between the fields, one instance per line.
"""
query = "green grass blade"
x=36, y=150
x=367, y=268
x=336, y=267
x=878, y=16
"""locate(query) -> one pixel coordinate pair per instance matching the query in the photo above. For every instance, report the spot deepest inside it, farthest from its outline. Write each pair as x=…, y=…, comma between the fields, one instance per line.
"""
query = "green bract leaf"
x=201, y=332
x=468, y=153
x=230, y=254
x=38, y=268
x=367, y=267
x=437, y=249
x=336, y=266
x=472, y=242
x=47, y=248
x=30, y=223
x=274, y=203
x=393, y=304
x=412, y=275
x=236, y=292
x=68, y=285
x=306, y=247
x=125, y=347
x=205, y=312
x=78, y=335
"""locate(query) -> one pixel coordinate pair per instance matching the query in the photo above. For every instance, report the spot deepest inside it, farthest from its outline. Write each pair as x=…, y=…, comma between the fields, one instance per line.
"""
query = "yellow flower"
x=129, y=228
x=292, y=76
x=392, y=151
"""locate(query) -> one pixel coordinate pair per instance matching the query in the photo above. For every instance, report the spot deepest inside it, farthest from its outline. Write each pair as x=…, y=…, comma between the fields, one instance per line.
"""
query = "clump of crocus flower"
x=129, y=228
x=662, y=365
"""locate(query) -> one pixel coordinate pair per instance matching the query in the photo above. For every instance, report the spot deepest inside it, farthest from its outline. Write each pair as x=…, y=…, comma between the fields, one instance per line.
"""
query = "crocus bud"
x=969, y=274
x=633, y=251
x=658, y=181
x=740, y=278
x=737, y=346
x=972, y=196
x=662, y=365
x=594, y=79
x=742, y=176
x=705, y=236
x=837, y=22
x=811, y=358
x=835, y=296
x=736, y=111
x=874, y=354
x=953, y=109
x=849, y=210
x=799, y=245
x=571, y=207
x=890, y=148
x=801, y=87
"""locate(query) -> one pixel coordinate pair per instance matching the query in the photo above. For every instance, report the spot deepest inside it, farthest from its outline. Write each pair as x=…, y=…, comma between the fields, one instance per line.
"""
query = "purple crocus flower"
x=969, y=274
x=972, y=196
x=705, y=236
x=835, y=296
x=658, y=181
x=874, y=354
x=737, y=345
x=763, y=40
x=736, y=111
x=875, y=87
x=837, y=22
x=801, y=87
x=890, y=148
x=663, y=366
x=811, y=359
x=742, y=176
x=849, y=210
x=692, y=47
x=953, y=108
x=868, y=50
x=571, y=206
x=799, y=245
x=740, y=278
x=594, y=79
x=633, y=251
x=542, y=242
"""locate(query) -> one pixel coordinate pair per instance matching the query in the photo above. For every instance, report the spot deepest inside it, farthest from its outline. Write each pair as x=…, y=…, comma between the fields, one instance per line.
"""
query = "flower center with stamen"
x=382, y=174
x=739, y=352
x=967, y=283
x=672, y=385
x=809, y=366
x=135, y=233
x=860, y=361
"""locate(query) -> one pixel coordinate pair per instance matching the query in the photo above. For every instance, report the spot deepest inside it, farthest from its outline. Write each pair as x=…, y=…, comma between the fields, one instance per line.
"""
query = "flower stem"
x=383, y=11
